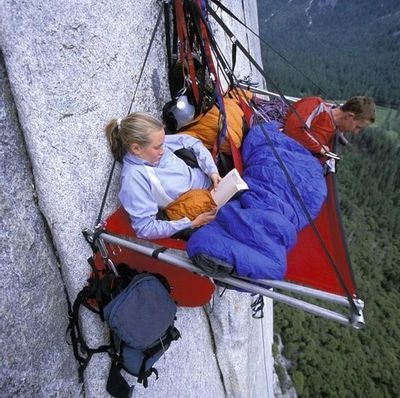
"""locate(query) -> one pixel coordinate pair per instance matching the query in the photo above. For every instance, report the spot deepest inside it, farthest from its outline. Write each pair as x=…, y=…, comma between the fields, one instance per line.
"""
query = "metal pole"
x=307, y=291
x=355, y=320
x=256, y=90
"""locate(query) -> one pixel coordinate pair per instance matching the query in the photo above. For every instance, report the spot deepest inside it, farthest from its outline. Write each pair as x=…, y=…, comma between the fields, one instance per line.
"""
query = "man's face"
x=352, y=125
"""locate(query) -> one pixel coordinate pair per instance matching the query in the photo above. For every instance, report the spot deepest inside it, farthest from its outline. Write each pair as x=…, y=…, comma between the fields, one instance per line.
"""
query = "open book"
x=228, y=187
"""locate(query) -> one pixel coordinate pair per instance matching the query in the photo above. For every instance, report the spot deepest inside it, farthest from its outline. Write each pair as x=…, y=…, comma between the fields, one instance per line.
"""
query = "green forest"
x=328, y=359
x=346, y=47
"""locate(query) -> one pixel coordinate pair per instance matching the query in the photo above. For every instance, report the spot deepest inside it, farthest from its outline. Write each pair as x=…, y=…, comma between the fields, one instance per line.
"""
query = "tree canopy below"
x=345, y=48
x=349, y=48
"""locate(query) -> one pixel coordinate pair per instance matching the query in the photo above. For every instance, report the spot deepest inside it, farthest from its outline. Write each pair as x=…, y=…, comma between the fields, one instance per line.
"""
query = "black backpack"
x=140, y=313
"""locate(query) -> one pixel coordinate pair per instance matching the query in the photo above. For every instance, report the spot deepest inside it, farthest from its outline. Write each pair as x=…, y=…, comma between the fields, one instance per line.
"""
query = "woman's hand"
x=204, y=218
x=215, y=178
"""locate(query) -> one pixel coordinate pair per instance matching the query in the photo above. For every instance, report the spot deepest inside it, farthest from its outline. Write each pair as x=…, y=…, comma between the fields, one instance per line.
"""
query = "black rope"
x=232, y=15
x=283, y=167
x=103, y=202
x=146, y=57
x=129, y=111
x=234, y=39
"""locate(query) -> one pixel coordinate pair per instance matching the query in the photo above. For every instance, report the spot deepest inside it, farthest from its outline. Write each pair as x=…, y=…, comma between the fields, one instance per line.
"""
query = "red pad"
x=187, y=289
x=307, y=262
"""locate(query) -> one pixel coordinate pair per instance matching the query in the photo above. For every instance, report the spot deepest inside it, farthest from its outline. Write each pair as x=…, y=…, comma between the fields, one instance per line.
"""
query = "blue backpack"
x=140, y=312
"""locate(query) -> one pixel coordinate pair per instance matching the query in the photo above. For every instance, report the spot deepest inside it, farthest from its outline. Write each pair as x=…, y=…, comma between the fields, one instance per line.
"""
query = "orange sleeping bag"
x=205, y=128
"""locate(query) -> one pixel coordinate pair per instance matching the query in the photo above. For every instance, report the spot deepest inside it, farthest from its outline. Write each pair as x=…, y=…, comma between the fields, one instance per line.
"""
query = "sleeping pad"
x=254, y=232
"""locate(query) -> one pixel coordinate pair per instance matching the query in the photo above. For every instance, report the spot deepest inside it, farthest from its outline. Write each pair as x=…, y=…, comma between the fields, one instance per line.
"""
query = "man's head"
x=356, y=114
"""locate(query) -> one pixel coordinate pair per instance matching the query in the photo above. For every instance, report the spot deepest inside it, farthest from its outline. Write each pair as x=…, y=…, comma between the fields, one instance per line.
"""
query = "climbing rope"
x=103, y=202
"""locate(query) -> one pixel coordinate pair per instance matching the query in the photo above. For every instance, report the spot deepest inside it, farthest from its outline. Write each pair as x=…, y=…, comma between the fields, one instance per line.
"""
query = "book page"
x=228, y=187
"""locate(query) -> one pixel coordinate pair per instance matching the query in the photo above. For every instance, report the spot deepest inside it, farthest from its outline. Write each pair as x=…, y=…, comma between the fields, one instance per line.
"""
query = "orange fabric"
x=190, y=204
x=205, y=128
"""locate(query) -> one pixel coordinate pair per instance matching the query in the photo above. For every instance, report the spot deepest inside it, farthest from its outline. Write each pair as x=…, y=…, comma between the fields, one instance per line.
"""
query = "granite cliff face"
x=66, y=68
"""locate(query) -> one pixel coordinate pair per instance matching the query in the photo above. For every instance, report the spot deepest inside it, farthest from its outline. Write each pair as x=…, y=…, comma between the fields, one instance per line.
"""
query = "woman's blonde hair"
x=133, y=129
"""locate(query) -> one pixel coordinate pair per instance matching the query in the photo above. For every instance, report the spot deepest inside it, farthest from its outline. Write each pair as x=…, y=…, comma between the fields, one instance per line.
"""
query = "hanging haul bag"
x=140, y=313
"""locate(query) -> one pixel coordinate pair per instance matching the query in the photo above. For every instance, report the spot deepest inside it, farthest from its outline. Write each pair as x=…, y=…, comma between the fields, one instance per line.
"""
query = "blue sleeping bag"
x=254, y=232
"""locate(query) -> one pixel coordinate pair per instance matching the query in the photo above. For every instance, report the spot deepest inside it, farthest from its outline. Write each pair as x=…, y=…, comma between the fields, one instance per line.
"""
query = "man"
x=324, y=120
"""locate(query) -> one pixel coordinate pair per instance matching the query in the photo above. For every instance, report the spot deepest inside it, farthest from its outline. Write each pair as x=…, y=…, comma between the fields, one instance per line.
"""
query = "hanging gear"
x=178, y=112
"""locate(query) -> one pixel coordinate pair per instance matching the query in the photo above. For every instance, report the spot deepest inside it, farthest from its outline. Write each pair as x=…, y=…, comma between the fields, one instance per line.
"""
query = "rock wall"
x=66, y=69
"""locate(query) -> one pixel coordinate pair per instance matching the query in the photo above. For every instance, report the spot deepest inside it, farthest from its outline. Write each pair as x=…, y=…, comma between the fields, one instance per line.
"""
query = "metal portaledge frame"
x=256, y=90
x=263, y=287
x=307, y=291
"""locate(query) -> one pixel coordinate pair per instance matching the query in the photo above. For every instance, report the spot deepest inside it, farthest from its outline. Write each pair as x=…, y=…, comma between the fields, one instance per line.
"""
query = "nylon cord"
x=232, y=15
x=286, y=172
x=129, y=110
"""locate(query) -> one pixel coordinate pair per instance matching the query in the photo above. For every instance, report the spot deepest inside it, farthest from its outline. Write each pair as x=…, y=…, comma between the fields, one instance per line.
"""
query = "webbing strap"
x=129, y=110
x=205, y=32
x=232, y=15
x=185, y=48
x=237, y=159
x=233, y=38
x=282, y=165
x=167, y=9
x=161, y=197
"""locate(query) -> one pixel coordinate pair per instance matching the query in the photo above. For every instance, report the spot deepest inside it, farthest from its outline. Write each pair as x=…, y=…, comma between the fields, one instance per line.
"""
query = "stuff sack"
x=140, y=312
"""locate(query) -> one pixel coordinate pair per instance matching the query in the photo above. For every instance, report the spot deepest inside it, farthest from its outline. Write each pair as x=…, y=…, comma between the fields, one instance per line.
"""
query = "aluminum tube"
x=307, y=291
x=256, y=90
x=241, y=284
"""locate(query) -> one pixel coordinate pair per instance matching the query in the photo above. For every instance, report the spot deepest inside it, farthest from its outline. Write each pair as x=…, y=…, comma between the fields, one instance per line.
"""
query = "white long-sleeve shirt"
x=145, y=187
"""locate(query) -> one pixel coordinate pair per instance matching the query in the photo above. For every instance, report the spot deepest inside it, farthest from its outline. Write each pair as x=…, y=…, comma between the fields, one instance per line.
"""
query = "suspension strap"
x=199, y=13
x=185, y=48
x=129, y=111
x=232, y=15
x=237, y=159
x=167, y=11
x=282, y=165
x=233, y=38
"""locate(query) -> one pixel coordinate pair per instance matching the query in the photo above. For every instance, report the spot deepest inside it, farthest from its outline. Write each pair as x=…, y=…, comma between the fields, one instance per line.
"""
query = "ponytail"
x=114, y=140
x=133, y=129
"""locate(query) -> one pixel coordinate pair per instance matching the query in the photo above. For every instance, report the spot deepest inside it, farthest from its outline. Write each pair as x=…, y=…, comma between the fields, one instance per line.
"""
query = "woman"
x=153, y=176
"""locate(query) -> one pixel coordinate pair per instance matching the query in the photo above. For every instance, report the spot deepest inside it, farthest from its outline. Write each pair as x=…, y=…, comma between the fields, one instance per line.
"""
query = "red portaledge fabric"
x=119, y=223
x=308, y=264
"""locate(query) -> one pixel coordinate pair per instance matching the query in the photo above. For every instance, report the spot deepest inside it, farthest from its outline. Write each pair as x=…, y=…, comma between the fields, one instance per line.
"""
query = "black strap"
x=156, y=252
x=167, y=12
x=281, y=163
x=257, y=307
x=232, y=15
x=129, y=111
x=82, y=352
x=171, y=335
x=144, y=375
x=234, y=52
x=117, y=386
